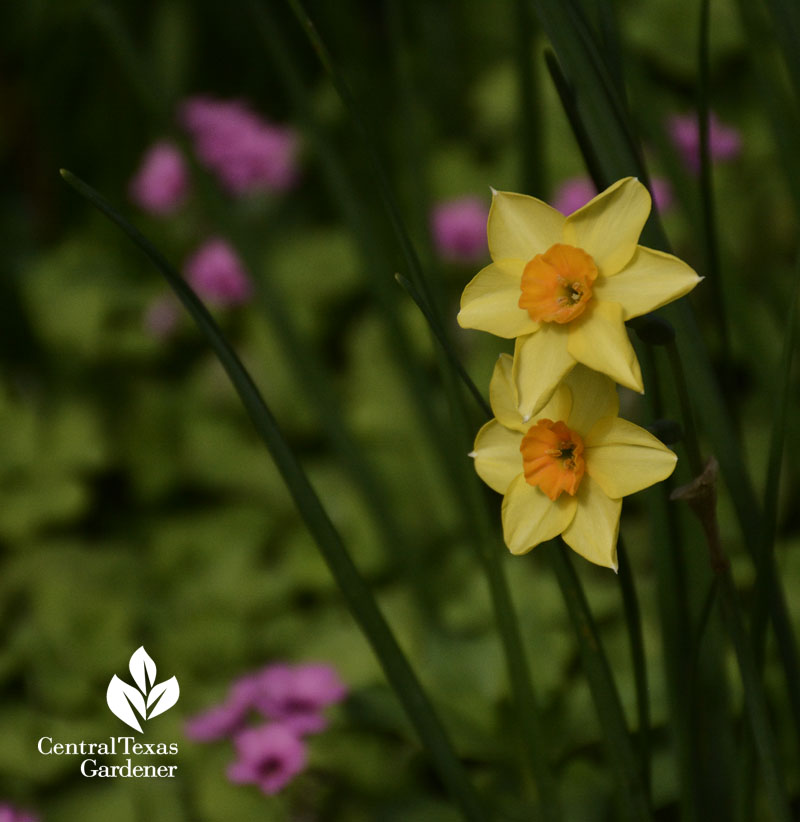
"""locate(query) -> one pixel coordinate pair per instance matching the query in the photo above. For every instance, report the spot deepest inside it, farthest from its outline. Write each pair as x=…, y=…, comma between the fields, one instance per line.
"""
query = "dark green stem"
x=707, y=184
x=356, y=592
x=622, y=757
x=755, y=702
x=478, y=531
x=633, y=621
x=530, y=134
x=384, y=188
x=690, y=439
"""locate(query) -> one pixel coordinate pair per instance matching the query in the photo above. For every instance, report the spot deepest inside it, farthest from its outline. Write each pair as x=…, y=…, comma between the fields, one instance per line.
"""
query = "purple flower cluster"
x=243, y=150
x=292, y=699
x=459, y=229
x=724, y=142
x=216, y=273
x=246, y=154
x=161, y=184
x=8, y=813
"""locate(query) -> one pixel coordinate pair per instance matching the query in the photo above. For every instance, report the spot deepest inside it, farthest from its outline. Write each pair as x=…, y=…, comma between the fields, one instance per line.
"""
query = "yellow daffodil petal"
x=503, y=395
x=556, y=408
x=594, y=396
x=608, y=227
x=599, y=340
x=497, y=456
x=521, y=226
x=594, y=529
x=540, y=362
x=530, y=517
x=651, y=279
x=491, y=301
x=623, y=458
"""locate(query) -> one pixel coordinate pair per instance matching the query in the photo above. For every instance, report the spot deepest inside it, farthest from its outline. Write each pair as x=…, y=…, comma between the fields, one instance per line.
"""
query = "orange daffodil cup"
x=565, y=470
x=564, y=287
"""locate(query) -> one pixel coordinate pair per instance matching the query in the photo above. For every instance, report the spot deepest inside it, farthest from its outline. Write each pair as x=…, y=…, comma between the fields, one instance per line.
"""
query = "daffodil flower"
x=564, y=287
x=565, y=471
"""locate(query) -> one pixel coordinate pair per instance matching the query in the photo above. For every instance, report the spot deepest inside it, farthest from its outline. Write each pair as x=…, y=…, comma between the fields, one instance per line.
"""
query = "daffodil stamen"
x=551, y=458
x=557, y=285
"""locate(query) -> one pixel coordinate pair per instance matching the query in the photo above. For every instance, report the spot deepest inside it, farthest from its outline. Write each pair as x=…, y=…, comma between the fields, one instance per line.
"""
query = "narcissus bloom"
x=564, y=287
x=566, y=470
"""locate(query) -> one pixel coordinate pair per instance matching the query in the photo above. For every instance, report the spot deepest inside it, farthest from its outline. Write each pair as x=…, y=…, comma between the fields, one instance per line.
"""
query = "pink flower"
x=291, y=695
x=459, y=229
x=244, y=151
x=724, y=142
x=575, y=192
x=161, y=317
x=269, y=756
x=296, y=695
x=229, y=717
x=215, y=723
x=8, y=813
x=216, y=273
x=161, y=183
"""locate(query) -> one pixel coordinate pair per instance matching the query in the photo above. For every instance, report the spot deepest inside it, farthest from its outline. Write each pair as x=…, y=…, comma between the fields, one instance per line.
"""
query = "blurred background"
x=138, y=505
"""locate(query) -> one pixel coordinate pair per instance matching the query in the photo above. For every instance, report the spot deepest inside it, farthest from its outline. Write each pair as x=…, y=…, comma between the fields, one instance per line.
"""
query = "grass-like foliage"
x=388, y=612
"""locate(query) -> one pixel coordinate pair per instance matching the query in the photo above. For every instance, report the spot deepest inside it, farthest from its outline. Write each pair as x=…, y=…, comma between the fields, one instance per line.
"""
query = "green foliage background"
x=138, y=506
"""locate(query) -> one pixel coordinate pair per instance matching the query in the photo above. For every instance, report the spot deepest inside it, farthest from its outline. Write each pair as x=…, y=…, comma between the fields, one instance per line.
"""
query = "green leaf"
x=424, y=289
x=424, y=295
x=755, y=703
x=603, y=117
x=763, y=589
x=786, y=20
x=353, y=587
x=621, y=754
x=633, y=620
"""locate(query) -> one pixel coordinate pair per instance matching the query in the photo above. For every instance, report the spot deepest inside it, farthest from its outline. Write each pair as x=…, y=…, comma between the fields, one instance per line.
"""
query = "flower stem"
x=479, y=532
x=529, y=132
x=763, y=588
x=622, y=757
x=489, y=553
x=355, y=590
x=633, y=620
x=673, y=606
x=701, y=495
x=690, y=439
x=707, y=184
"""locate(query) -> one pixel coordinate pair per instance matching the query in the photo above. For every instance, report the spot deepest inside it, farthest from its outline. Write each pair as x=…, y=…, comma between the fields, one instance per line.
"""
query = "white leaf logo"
x=142, y=669
x=163, y=697
x=123, y=698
